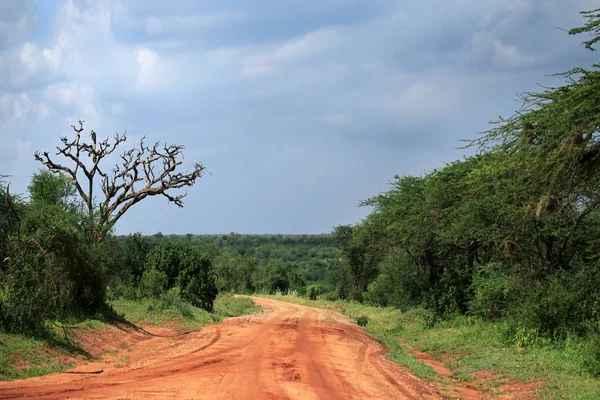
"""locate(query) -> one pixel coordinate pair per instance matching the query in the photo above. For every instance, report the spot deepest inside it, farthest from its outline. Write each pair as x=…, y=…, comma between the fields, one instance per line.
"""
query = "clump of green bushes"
x=313, y=291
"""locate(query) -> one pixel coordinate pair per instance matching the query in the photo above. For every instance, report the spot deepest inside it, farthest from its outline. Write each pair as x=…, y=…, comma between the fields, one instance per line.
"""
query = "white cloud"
x=485, y=46
x=30, y=56
x=151, y=70
x=265, y=62
x=15, y=105
x=74, y=101
x=419, y=101
x=10, y=30
x=252, y=71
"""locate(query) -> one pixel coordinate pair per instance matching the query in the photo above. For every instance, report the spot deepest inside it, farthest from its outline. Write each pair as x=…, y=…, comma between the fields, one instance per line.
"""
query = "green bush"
x=23, y=299
x=171, y=299
x=313, y=291
x=564, y=303
x=591, y=360
x=491, y=289
x=197, y=282
x=153, y=283
x=183, y=265
x=121, y=288
x=401, y=284
x=362, y=320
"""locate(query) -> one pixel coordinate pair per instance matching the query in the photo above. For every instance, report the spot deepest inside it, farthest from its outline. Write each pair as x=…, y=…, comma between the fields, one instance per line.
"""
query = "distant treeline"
x=246, y=263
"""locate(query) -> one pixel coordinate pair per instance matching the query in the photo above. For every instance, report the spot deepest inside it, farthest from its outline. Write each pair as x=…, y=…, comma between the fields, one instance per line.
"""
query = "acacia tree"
x=143, y=171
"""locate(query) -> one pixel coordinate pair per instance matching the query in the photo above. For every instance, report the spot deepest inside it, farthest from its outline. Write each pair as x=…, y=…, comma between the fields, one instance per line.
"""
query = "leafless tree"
x=143, y=171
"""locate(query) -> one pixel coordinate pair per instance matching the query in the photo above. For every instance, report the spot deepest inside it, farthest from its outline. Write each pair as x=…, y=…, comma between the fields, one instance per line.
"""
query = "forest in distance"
x=510, y=235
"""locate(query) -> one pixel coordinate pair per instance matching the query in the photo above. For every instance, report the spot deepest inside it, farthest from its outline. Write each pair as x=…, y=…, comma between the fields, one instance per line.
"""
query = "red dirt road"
x=286, y=352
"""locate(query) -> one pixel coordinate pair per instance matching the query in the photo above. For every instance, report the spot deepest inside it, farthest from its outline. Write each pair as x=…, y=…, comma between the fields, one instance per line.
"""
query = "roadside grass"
x=53, y=351
x=226, y=305
x=476, y=351
x=24, y=357
x=170, y=311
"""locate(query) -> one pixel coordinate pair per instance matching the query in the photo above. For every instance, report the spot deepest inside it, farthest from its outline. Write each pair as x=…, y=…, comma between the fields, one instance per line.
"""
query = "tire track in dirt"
x=213, y=341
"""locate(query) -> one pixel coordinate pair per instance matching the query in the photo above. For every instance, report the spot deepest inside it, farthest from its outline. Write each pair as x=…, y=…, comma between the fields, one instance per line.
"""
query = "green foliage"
x=169, y=259
x=362, y=320
x=565, y=303
x=180, y=264
x=491, y=292
x=23, y=299
x=359, y=263
x=47, y=188
x=197, y=282
x=400, y=283
x=132, y=253
x=313, y=291
x=276, y=277
x=226, y=305
x=153, y=283
x=592, y=26
x=52, y=268
x=171, y=299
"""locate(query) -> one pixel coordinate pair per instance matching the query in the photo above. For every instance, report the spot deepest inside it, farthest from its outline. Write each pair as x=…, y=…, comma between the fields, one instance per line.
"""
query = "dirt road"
x=286, y=352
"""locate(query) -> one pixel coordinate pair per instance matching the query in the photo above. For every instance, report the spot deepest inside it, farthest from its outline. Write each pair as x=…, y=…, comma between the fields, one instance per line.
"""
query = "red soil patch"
x=509, y=389
x=482, y=379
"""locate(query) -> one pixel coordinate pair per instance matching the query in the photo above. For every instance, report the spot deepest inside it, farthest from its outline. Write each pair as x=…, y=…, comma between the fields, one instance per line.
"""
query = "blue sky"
x=299, y=109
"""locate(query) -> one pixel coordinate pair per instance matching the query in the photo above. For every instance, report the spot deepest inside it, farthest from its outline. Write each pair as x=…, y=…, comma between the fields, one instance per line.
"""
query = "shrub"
x=197, y=282
x=153, y=283
x=184, y=265
x=121, y=288
x=171, y=299
x=23, y=299
x=362, y=320
x=400, y=284
x=491, y=289
x=313, y=291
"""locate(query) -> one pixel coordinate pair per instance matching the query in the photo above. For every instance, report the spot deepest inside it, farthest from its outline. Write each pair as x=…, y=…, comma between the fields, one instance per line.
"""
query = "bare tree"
x=143, y=171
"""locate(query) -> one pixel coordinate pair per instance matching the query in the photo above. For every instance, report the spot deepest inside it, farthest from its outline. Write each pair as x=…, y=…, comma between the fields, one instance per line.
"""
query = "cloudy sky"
x=299, y=109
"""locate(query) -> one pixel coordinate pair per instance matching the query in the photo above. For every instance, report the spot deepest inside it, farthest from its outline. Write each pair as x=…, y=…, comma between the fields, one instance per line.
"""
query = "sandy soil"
x=286, y=352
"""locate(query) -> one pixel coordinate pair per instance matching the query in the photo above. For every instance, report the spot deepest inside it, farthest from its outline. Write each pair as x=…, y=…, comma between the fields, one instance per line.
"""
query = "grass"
x=174, y=313
x=226, y=305
x=22, y=356
x=469, y=346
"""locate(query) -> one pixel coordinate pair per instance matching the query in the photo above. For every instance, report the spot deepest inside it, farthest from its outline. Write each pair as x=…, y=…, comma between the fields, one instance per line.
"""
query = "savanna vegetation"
x=61, y=266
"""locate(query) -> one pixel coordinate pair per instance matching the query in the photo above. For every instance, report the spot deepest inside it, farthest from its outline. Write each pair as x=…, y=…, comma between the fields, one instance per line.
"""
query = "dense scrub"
x=54, y=268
